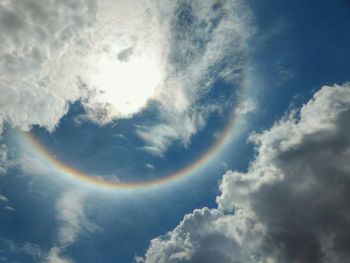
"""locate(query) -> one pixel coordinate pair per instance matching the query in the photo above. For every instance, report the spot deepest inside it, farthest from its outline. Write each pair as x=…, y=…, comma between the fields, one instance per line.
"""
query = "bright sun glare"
x=127, y=85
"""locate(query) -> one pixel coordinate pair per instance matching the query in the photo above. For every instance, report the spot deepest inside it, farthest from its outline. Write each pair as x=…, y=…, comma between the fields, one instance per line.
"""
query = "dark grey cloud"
x=306, y=212
x=299, y=184
x=293, y=203
x=125, y=54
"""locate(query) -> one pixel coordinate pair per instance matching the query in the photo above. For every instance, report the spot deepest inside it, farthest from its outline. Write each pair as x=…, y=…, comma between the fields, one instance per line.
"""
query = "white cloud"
x=188, y=41
x=10, y=208
x=201, y=37
x=53, y=54
x=72, y=221
x=125, y=62
x=36, y=73
x=5, y=164
x=206, y=235
x=3, y=198
x=70, y=216
x=247, y=106
x=150, y=166
x=293, y=203
x=55, y=257
x=12, y=248
x=158, y=137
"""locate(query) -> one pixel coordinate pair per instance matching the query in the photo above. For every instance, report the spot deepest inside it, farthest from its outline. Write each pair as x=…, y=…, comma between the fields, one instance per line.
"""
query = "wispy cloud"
x=54, y=256
x=202, y=37
x=10, y=208
x=3, y=198
x=72, y=221
x=9, y=247
x=247, y=106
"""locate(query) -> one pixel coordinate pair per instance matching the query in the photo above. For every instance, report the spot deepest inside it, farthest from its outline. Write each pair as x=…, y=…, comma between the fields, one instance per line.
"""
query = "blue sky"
x=132, y=91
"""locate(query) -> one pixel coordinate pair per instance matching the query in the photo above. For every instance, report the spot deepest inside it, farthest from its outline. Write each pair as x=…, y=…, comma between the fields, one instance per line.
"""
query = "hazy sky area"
x=159, y=131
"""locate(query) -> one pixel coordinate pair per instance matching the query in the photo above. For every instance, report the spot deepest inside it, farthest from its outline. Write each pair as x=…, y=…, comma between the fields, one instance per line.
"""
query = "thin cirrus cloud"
x=290, y=206
x=100, y=53
x=201, y=38
x=72, y=221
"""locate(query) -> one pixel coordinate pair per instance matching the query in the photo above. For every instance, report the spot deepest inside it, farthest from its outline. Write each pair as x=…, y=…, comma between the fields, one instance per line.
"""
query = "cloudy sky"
x=142, y=131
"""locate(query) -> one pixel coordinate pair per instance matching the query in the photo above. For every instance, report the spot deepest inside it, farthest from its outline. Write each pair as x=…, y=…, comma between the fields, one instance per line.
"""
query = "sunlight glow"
x=127, y=85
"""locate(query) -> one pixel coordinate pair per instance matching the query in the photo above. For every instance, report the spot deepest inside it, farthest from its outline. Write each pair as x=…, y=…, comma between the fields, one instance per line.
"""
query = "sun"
x=127, y=84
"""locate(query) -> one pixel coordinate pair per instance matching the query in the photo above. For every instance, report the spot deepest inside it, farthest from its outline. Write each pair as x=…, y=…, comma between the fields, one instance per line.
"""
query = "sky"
x=174, y=131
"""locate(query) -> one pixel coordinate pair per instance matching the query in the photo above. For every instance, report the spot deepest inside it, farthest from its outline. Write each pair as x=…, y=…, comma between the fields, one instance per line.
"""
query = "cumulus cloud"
x=206, y=235
x=292, y=205
x=37, y=78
